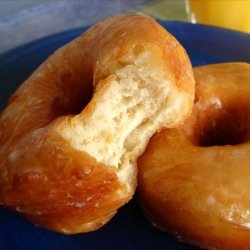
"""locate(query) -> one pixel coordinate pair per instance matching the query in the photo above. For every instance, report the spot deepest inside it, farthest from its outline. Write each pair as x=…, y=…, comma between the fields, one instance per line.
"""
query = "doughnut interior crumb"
x=137, y=99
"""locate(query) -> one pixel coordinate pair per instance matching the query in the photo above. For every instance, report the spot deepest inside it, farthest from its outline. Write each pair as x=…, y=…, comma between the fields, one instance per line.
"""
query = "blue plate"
x=128, y=229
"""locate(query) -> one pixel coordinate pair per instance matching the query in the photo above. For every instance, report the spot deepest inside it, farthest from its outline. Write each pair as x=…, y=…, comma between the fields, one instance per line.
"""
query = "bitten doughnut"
x=69, y=167
x=194, y=180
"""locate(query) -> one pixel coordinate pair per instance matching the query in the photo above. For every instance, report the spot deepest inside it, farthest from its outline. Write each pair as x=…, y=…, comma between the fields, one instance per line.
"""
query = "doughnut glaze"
x=194, y=180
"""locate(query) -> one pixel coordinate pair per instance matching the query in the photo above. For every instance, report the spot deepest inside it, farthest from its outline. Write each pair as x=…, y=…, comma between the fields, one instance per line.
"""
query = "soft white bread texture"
x=81, y=162
x=129, y=106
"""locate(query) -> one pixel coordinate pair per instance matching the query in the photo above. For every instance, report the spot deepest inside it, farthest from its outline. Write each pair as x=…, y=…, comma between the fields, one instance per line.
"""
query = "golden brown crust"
x=58, y=187
x=42, y=175
x=194, y=180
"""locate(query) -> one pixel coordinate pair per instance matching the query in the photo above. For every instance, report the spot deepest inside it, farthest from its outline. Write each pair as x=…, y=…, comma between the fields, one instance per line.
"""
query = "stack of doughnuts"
x=72, y=133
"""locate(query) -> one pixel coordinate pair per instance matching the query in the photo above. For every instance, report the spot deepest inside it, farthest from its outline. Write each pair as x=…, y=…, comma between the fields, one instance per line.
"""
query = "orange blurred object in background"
x=233, y=14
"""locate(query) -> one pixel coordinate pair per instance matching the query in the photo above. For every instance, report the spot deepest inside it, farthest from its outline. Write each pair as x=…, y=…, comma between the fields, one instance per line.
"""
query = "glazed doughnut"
x=194, y=180
x=69, y=167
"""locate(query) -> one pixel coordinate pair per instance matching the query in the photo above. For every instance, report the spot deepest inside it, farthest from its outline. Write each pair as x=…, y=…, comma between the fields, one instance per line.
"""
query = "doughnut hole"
x=74, y=95
x=224, y=126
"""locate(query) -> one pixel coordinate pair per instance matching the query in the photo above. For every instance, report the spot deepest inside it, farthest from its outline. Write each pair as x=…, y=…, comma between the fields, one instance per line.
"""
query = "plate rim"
x=63, y=35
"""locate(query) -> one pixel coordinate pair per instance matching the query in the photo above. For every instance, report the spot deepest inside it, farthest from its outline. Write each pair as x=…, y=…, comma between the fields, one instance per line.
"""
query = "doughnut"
x=71, y=134
x=194, y=180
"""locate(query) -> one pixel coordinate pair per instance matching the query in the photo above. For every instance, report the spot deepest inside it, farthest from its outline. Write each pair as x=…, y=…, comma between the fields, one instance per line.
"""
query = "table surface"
x=24, y=21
